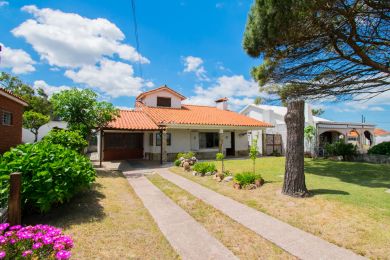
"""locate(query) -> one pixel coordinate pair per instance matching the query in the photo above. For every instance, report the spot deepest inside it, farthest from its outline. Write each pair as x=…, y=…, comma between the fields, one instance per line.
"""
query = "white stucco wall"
x=382, y=138
x=151, y=99
x=28, y=137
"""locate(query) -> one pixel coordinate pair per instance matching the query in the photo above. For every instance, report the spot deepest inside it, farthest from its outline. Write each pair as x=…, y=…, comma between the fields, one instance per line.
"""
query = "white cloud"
x=3, y=3
x=17, y=60
x=239, y=90
x=111, y=77
x=70, y=40
x=362, y=103
x=194, y=64
x=376, y=109
x=49, y=90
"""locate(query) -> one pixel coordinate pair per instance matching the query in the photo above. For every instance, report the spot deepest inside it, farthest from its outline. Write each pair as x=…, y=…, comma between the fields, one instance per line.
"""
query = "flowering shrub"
x=33, y=242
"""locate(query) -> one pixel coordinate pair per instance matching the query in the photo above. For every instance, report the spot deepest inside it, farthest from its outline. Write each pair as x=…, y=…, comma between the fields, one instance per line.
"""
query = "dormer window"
x=163, y=101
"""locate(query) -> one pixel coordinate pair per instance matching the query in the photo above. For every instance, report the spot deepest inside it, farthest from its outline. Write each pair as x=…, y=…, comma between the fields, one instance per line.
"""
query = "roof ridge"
x=12, y=94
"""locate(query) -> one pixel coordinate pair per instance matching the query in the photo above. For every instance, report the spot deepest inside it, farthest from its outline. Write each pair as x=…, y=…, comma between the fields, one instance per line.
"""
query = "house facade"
x=273, y=140
x=28, y=137
x=161, y=125
x=11, y=116
x=381, y=135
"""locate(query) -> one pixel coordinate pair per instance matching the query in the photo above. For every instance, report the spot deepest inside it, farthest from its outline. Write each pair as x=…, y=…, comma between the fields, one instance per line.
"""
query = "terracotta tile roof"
x=22, y=101
x=133, y=120
x=165, y=87
x=199, y=115
x=379, y=131
x=353, y=133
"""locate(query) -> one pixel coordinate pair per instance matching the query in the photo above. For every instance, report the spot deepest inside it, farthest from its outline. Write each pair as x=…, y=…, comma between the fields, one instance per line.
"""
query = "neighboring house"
x=28, y=137
x=161, y=126
x=11, y=116
x=273, y=140
x=381, y=136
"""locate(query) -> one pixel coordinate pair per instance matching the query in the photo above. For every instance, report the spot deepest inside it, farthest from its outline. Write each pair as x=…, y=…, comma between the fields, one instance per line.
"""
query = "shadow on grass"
x=328, y=191
x=83, y=208
x=364, y=174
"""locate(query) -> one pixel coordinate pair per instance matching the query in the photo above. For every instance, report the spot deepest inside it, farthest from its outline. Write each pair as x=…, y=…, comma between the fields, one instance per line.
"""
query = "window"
x=208, y=140
x=123, y=141
x=158, y=139
x=163, y=102
x=151, y=139
x=7, y=118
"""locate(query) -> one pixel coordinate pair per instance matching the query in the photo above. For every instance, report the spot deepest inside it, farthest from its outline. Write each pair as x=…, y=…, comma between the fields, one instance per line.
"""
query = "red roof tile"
x=13, y=95
x=133, y=120
x=379, y=131
x=199, y=115
x=165, y=87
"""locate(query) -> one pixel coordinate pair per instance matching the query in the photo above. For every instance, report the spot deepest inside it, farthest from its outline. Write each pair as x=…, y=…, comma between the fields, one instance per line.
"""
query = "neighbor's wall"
x=10, y=135
x=28, y=137
x=151, y=99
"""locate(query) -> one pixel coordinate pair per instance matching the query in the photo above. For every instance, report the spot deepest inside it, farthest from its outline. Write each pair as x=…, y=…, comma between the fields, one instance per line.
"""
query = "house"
x=273, y=140
x=28, y=137
x=381, y=135
x=11, y=112
x=161, y=126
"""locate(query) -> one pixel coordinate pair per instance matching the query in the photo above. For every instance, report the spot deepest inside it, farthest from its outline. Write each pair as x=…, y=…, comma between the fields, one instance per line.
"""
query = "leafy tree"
x=309, y=133
x=82, y=111
x=220, y=157
x=317, y=49
x=33, y=121
x=68, y=139
x=317, y=111
x=253, y=152
x=258, y=101
x=37, y=99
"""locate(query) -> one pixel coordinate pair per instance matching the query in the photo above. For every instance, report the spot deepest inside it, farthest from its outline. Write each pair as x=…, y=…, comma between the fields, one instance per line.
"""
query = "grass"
x=243, y=242
x=349, y=208
x=109, y=222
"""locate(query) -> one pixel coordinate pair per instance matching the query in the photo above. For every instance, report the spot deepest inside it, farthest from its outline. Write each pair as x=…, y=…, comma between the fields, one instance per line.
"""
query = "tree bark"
x=294, y=177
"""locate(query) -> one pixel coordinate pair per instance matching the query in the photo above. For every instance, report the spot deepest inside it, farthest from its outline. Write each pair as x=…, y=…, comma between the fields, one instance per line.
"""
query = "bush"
x=246, y=178
x=187, y=155
x=203, y=167
x=51, y=173
x=382, y=148
x=33, y=242
x=340, y=148
x=69, y=139
x=177, y=162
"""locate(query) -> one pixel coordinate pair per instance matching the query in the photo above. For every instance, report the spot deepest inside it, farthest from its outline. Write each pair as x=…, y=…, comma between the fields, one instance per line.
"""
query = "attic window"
x=163, y=102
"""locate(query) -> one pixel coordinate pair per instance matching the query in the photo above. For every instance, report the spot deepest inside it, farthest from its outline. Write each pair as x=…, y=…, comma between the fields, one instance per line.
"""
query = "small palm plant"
x=253, y=152
x=220, y=157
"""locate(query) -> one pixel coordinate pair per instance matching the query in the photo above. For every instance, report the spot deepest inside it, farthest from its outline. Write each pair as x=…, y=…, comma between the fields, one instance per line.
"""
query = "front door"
x=122, y=146
x=232, y=150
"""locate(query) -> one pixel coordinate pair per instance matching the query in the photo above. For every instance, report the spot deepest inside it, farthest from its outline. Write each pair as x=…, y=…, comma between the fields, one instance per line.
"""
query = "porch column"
x=164, y=155
x=220, y=144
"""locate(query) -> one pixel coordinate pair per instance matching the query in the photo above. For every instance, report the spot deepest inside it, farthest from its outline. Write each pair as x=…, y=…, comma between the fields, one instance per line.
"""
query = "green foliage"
x=82, y=111
x=253, y=152
x=309, y=133
x=69, y=139
x=340, y=148
x=203, y=167
x=51, y=173
x=382, y=148
x=177, y=162
x=275, y=153
x=246, y=178
x=317, y=111
x=187, y=155
x=220, y=157
x=37, y=100
x=33, y=121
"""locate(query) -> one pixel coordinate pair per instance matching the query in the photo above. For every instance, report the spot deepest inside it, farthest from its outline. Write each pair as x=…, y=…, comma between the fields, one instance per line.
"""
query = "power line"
x=136, y=37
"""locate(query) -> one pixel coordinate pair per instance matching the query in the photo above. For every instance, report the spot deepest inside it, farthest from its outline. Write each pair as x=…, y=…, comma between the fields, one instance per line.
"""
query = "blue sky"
x=192, y=46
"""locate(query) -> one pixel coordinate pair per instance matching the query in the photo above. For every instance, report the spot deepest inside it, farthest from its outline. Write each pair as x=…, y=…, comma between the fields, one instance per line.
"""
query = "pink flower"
x=27, y=253
x=17, y=227
x=47, y=240
x=58, y=247
x=37, y=245
x=2, y=254
x=4, y=226
x=63, y=254
x=2, y=240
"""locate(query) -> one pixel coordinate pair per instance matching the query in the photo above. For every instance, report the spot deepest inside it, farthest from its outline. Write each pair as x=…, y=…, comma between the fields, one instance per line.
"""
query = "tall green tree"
x=317, y=49
x=33, y=121
x=82, y=110
x=317, y=111
x=37, y=99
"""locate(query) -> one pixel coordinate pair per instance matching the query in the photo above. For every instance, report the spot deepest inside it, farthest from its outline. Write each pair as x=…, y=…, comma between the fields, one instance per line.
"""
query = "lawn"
x=349, y=208
x=243, y=242
x=109, y=222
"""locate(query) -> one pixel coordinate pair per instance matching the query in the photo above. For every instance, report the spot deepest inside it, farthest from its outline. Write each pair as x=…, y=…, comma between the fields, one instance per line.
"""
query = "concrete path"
x=190, y=239
x=295, y=241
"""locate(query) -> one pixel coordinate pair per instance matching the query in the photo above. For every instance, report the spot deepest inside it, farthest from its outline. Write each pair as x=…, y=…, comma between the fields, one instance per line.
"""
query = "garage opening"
x=122, y=146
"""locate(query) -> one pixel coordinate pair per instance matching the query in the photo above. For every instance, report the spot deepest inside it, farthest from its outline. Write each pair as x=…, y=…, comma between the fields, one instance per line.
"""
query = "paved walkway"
x=295, y=241
x=190, y=239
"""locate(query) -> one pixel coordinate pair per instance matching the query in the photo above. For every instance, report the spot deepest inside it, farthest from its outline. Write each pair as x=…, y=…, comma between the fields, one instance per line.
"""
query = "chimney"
x=222, y=103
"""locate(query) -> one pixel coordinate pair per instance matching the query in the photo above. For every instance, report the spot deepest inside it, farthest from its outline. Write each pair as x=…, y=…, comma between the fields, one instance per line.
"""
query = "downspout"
x=101, y=148
x=161, y=147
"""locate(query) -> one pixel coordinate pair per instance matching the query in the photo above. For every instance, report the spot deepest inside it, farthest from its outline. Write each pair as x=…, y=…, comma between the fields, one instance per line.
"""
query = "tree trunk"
x=294, y=177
